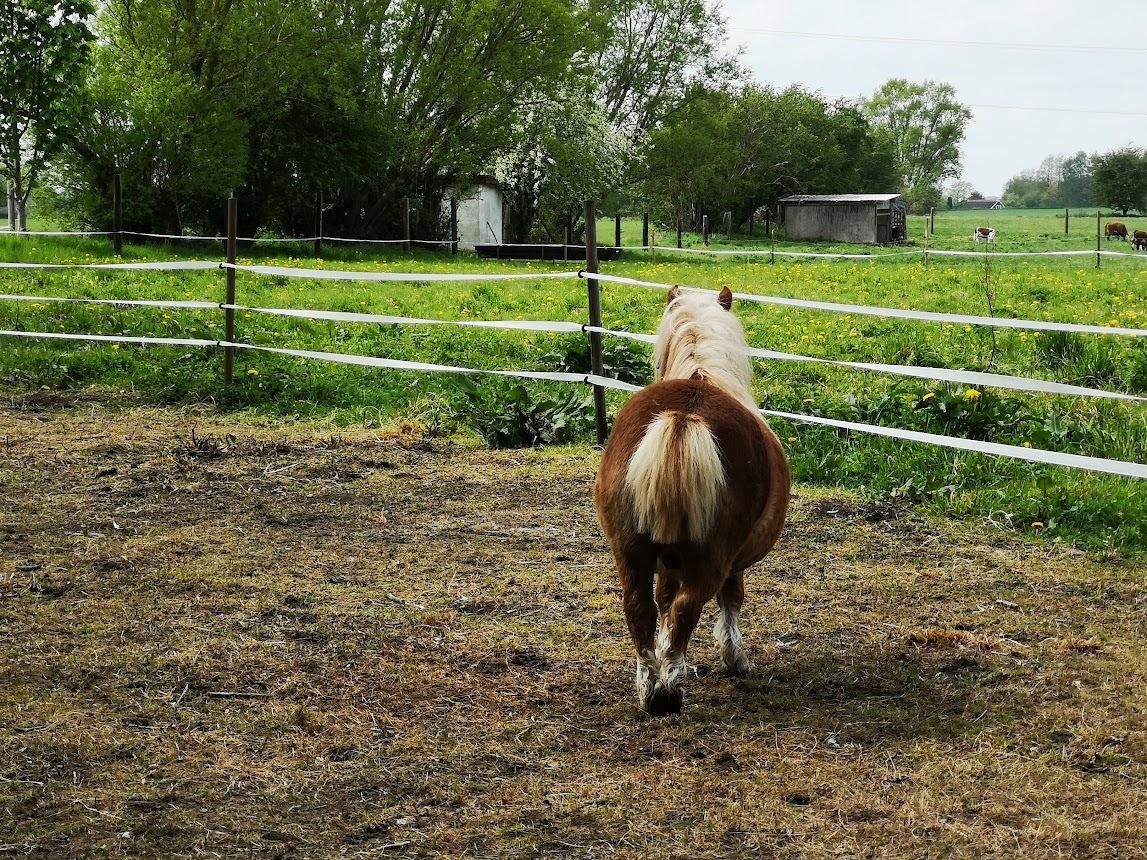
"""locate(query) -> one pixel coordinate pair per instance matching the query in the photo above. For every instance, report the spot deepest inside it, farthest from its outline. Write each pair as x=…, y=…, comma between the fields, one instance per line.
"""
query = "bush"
x=510, y=417
x=626, y=360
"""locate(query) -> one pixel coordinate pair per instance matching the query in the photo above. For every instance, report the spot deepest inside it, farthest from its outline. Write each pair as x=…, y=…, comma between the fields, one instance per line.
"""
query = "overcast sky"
x=994, y=81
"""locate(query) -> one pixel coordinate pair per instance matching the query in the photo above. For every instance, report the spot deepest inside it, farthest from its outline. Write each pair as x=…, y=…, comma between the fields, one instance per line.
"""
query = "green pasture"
x=1095, y=511
x=1016, y=230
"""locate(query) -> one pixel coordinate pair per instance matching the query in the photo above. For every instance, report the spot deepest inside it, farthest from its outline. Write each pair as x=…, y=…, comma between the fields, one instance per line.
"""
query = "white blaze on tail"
x=675, y=477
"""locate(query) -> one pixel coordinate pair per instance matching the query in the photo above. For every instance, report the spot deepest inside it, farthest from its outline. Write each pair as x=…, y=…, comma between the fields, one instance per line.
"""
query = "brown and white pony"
x=692, y=490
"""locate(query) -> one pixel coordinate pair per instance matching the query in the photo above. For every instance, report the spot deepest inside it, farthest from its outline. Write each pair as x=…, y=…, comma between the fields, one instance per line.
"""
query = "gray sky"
x=1001, y=141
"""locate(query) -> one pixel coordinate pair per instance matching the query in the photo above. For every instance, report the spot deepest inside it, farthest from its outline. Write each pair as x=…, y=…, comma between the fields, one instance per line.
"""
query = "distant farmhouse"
x=854, y=218
x=983, y=203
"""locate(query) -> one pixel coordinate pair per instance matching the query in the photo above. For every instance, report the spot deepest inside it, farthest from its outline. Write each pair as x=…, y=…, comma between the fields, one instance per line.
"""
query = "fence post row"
x=319, y=223
x=454, y=225
x=117, y=215
x=594, y=291
x=1098, y=245
x=229, y=313
x=406, y=224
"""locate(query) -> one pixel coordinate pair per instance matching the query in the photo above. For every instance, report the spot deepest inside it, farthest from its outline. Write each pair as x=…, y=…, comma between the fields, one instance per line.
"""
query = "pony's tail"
x=675, y=478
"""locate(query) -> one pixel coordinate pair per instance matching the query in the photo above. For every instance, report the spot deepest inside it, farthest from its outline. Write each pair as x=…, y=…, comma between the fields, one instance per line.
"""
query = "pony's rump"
x=675, y=478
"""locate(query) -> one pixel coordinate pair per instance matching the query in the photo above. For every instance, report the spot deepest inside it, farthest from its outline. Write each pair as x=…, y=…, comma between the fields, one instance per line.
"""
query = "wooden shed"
x=862, y=219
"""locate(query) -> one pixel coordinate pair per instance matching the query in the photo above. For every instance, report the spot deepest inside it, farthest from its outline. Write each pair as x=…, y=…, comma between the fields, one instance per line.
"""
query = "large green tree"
x=1119, y=179
x=738, y=151
x=44, y=53
x=924, y=124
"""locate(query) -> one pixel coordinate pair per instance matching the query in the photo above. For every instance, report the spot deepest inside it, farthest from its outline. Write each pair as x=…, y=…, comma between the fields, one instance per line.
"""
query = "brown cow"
x=1115, y=228
x=1139, y=242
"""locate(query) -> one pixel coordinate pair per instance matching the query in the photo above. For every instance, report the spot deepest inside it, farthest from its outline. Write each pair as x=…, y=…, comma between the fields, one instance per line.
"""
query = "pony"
x=692, y=490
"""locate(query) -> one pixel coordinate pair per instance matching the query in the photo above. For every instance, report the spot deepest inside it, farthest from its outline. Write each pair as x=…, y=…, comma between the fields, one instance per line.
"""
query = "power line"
x=1062, y=110
x=947, y=43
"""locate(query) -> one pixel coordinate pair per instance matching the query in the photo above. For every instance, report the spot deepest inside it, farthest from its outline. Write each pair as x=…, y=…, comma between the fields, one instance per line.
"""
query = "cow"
x=1139, y=242
x=1115, y=228
x=984, y=234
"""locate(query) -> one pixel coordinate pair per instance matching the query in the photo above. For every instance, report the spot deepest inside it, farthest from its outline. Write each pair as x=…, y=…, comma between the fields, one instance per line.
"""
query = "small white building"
x=479, y=213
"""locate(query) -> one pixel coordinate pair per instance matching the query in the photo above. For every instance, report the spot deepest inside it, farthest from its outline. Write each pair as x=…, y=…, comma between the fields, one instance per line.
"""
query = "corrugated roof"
x=839, y=198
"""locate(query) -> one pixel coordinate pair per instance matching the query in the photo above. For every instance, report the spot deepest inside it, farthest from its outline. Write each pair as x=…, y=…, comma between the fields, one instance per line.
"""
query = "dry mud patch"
x=223, y=637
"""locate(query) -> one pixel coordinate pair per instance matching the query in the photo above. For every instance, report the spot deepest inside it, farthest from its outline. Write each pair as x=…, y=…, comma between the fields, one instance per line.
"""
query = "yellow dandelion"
x=972, y=394
x=254, y=371
x=928, y=396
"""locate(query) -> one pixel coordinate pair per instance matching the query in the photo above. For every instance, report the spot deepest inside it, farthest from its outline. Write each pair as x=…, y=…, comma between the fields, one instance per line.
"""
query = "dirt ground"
x=227, y=638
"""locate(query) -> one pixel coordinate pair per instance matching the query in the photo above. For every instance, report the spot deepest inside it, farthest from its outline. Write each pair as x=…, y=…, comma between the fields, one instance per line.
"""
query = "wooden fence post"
x=594, y=290
x=569, y=232
x=454, y=225
x=705, y=230
x=1066, y=219
x=117, y=215
x=229, y=313
x=319, y=223
x=932, y=219
x=406, y=224
x=617, y=231
x=925, y=244
x=645, y=230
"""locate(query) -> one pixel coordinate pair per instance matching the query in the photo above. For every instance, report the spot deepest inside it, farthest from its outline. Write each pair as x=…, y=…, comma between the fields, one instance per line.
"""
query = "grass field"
x=239, y=636
x=1090, y=511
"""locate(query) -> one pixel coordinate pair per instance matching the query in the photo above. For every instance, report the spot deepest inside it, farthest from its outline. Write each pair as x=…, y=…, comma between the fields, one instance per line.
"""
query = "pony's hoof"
x=664, y=701
x=738, y=667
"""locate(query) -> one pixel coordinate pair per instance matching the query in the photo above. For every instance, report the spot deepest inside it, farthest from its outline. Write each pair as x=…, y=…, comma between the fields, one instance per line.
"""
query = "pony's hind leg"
x=727, y=630
x=635, y=570
x=681, y=621
x=665, y=593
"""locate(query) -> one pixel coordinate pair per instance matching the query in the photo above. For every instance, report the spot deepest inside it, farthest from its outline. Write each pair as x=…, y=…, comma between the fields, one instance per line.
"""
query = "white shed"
x=479, y=213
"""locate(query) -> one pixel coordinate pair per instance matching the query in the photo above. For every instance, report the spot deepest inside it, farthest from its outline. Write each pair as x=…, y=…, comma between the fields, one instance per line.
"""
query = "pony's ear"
x=674, y=292
x=725, y=300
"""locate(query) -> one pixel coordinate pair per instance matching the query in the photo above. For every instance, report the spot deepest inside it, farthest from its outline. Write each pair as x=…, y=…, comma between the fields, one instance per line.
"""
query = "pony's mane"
x=698, y=338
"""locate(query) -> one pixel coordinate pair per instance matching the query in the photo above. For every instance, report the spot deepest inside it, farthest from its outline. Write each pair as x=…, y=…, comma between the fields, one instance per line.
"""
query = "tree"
x=925, y=125
x=960, y=190
x=1119, y=178
x=44, y=53
x=651, y=56
x=735, y=152
x=1075, y=188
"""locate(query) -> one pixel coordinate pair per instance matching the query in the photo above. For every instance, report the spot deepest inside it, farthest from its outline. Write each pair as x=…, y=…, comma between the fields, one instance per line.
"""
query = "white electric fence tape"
x=761, y=252
x=112, y=338
x=59, y=232
x=940, y=374
x=1095, y=464
x=146, y=303
x=163, y=266
x=1037, y=455
x=966, y=377
x=389, y=241
x=895, y=313
x=335, y=275
x=384, y=319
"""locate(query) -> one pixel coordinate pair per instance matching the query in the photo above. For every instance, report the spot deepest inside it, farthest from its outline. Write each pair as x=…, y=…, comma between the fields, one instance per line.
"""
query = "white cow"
x=984, y=234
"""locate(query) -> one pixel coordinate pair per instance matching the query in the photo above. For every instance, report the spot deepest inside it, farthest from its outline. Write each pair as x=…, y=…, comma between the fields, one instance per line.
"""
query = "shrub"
x=510, y=417
x=626, y=360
